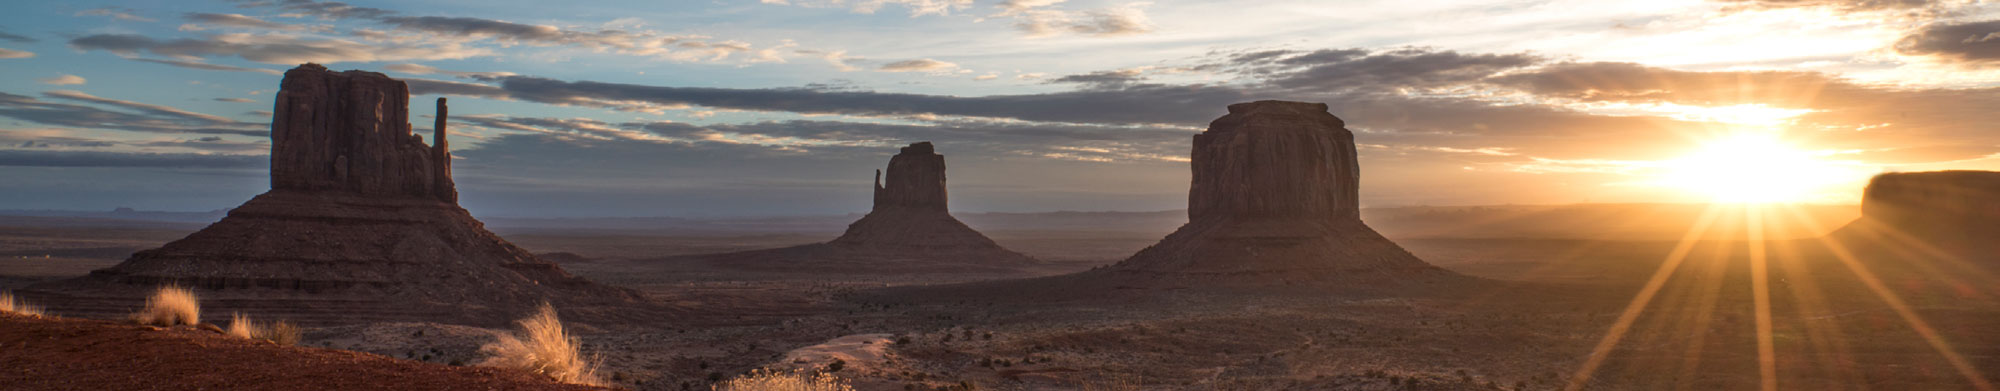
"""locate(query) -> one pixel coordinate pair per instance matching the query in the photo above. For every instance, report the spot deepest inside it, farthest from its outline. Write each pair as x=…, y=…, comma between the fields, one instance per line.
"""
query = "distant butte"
x=910, y=229
x=361, y=224
x=1276, y=192
x=1954, y=213
x=1273, y=207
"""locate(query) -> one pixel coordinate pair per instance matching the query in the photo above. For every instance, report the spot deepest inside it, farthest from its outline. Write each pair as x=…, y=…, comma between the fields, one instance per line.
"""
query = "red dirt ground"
x=78, y=354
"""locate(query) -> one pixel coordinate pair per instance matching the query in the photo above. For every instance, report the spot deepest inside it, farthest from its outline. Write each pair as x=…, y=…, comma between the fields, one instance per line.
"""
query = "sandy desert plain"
x=1551, y=283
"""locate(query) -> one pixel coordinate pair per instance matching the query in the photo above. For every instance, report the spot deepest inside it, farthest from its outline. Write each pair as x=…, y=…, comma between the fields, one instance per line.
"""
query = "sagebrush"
x=764, y=380
x=541, y=346
x=170, y=306
x=13, y=305
x=282, y=332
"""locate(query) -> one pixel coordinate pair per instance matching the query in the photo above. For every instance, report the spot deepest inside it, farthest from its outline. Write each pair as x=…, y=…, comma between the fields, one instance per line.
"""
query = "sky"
x=785, y=107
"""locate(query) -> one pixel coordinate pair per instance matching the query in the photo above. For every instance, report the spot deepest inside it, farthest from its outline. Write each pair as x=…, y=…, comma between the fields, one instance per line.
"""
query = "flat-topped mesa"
x=1275, y=159
x=349, y=132
x=1275, y=193
x=1957, y=210
x=916, y=180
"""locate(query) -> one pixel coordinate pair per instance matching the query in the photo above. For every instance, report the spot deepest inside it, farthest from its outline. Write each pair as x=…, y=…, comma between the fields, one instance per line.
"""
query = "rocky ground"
x=76, y=354
x=1532, y=332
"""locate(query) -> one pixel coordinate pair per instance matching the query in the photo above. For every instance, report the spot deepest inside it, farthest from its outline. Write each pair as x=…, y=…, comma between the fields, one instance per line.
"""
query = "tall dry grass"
x=170, y=306
x=541, y=346
x=764, y=380
x=282, y=332
x=10, y=304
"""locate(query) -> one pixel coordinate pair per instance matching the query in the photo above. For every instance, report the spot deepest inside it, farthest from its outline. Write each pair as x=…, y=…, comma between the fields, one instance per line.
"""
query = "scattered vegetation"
x=12, y=305
x=541, y=346
x=764, y=380
x=170, y=306
x=282, y=332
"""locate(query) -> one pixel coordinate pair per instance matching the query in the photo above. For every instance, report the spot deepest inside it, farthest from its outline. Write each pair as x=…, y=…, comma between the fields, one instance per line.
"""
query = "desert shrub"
x=764, y=380
x=241, y=326
x=282, y=332
x=10, y=304
x=1113, y=382
x=541, y=346
x=170, y=306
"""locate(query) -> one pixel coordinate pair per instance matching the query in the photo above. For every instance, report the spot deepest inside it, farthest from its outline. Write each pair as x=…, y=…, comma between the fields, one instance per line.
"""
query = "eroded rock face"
x=347, y=132
x=1275, y=159
x=361, y=224
x=1275, y=191
x=916, y=180
x=1955, y=210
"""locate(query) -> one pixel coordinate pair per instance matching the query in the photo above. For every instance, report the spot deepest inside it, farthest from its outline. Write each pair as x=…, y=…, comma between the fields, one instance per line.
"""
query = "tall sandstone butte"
x=362, y=223
x=909, y=229
x=1276, y=191
x=1954, y=211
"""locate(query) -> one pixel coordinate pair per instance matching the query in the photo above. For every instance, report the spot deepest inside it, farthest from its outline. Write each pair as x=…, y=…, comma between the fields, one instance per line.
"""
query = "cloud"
x=64, y=80
x=427, y=70
x=148, y=117
x=234, y=100
x=917, y=65
x=143, y=107
x=443, y=87
x=582, y=127
x=207, y=66
x=204, y=21
x=1121, y=20
x=35, y=158
x=119, y=13
x=1361, y=70
x=4, y=36
x=1842, y=113
x=1838, y=5
x=1133, y=104
x=9, y=53
x=916, y=7
x=324, y=10
x=1972, y=44
x=1104, y=78
x=272, y=48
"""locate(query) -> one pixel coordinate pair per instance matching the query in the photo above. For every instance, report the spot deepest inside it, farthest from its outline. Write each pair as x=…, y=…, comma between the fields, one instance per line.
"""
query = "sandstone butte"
x=362, y=223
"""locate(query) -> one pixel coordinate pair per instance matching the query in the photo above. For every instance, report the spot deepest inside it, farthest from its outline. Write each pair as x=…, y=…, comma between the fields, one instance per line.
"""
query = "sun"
x=1752, y=168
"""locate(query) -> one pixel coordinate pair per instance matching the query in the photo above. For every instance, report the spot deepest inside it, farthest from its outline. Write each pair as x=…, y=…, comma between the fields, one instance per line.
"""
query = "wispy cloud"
x=64, y=80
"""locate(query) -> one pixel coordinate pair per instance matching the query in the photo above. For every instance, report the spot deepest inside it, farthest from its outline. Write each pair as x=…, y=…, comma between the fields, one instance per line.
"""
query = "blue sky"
x=610, y=108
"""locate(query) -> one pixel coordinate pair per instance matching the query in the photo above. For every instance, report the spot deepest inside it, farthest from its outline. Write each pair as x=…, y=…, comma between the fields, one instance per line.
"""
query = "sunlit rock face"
x=1957, y=211
x=1276, y=192
x=346, y=132
x=361, y=224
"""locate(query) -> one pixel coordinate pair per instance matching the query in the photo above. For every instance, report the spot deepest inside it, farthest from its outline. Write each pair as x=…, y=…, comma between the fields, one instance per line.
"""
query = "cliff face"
x=916, y=181
x=348, y=132
x=361, y=224
x=1275, y=159
x=1276, y=193
x=1956, y=211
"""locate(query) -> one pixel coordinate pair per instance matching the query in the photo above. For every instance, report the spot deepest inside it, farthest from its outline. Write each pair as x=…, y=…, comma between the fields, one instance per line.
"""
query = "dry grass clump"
x=541, y=346
x=283, y=333
x=764, y=380
x=9, y=304
x=170, y=306
x=1114, y=383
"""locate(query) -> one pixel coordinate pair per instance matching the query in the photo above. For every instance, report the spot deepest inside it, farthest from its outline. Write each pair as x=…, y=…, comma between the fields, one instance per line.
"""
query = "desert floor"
x=1535, y=318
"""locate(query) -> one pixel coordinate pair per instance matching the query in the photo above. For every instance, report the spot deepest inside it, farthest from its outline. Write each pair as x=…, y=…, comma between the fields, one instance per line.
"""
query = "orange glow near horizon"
x=1754, y=168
